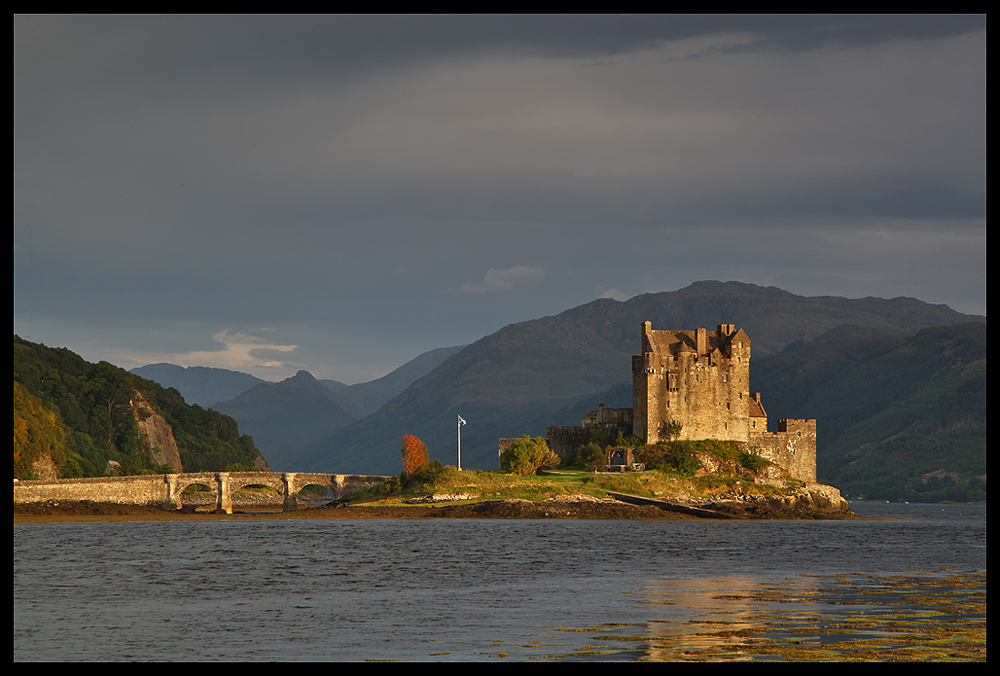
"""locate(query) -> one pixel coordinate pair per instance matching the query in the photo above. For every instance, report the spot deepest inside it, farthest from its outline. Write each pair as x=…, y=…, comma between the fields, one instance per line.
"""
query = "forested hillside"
x=77, y=416
x=900, y=416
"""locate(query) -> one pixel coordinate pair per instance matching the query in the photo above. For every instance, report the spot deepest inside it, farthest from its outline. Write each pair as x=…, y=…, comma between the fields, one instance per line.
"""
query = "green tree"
x=589, y=457
x=526, y=456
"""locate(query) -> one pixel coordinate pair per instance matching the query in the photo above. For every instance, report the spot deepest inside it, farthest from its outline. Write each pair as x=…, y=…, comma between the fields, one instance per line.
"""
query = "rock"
x=442, y=497
x=812, y=501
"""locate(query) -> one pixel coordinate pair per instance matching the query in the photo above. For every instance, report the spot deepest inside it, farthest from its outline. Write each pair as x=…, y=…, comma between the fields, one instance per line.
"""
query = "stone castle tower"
x=700, y=379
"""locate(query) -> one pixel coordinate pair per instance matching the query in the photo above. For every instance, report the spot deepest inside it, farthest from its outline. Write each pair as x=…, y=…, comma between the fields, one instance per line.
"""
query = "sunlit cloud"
x=238, y=352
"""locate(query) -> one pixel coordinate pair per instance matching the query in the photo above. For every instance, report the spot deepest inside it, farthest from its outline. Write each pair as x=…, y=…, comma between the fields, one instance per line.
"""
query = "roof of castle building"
x=676, y=342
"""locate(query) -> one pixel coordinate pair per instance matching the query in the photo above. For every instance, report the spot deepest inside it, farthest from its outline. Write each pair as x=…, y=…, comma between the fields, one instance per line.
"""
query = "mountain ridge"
x=292, y=411
x=202, y=385
x=533, y=369
x=299, y=408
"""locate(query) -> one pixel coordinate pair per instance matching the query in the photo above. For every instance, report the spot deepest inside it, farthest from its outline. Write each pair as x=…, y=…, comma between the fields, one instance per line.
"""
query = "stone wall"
x=565, y=441
x=793, y=447
x=124, y=490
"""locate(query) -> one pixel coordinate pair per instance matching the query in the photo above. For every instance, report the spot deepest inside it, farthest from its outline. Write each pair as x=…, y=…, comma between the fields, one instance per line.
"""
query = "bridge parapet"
x=165, y=490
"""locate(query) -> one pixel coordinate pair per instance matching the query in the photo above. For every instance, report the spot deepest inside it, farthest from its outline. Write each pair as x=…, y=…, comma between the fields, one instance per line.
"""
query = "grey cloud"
x=505, y=280
x=234, y=172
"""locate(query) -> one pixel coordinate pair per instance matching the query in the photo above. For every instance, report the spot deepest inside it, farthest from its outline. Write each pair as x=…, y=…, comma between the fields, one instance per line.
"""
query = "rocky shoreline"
x=806, y=504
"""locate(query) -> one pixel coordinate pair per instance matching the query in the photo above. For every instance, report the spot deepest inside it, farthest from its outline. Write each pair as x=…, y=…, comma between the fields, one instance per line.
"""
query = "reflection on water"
x=717, y=614
x=899, y=617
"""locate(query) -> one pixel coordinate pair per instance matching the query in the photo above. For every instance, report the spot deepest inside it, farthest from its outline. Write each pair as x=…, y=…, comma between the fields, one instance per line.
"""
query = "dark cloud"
x=304, y=182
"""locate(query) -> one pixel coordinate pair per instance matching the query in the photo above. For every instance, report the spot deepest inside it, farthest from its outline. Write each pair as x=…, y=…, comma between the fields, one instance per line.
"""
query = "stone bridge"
x=166, y=490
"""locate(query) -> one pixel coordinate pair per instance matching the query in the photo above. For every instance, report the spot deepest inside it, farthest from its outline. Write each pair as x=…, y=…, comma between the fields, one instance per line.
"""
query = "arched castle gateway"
x=699, y=380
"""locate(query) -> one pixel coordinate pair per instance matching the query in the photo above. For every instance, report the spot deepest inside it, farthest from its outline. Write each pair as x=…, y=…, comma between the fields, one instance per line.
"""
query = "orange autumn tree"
x=414, y=454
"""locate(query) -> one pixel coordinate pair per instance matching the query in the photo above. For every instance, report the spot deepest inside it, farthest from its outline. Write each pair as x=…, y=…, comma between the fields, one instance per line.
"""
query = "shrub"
x=589, y=457
x=527, y=456
x=670, y=456
x=428, y=473
x=752, y=461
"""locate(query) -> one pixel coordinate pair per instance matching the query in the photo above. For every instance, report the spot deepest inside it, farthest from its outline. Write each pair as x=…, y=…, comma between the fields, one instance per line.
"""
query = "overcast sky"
x=340, y=194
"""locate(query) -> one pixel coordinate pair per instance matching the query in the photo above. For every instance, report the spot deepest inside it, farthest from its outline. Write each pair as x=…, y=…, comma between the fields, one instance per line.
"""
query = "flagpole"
x=460, y=423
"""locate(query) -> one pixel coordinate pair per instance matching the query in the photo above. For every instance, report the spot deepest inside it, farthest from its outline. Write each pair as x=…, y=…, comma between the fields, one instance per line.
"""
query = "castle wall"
x=566, y=441
x=793, y=447
x=609, y=417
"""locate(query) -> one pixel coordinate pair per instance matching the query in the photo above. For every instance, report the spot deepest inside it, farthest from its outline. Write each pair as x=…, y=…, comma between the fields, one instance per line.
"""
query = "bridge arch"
x=288, y=484
x=166, y=490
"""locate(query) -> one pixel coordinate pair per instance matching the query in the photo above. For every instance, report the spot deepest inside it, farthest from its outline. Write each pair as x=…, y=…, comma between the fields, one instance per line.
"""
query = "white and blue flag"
x=461, y=421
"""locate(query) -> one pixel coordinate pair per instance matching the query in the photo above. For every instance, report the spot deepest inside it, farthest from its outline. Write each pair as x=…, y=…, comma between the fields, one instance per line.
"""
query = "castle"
x=696, y=385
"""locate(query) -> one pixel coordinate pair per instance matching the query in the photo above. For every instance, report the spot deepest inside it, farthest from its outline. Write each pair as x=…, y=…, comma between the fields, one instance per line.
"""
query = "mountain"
x=534, y=373
x=286, y=413
x=302, y=409
x=72, y=418
x=210, y=386
x=900, y=416
x=363, y=399
x=199, y=384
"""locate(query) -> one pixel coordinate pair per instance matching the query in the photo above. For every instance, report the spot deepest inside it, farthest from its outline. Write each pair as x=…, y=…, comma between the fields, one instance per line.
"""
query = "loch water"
x=447, y=590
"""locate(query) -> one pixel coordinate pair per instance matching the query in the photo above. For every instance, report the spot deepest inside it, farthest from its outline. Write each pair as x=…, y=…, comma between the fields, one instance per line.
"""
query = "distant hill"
x=199, y=384
x=209, y=386
x=72, y=417
x=301, y=408
x=363, y=399
x=900, y=416
x=534, y=373
x=286, y=413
